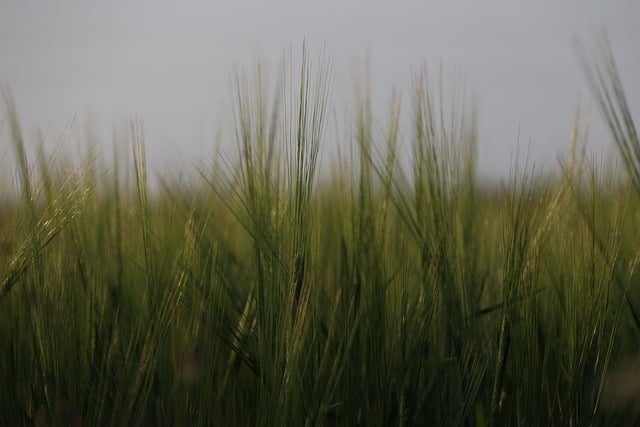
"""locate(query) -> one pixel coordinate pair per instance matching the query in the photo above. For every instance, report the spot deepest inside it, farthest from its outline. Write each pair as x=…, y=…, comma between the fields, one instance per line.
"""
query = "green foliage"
x=393, y=293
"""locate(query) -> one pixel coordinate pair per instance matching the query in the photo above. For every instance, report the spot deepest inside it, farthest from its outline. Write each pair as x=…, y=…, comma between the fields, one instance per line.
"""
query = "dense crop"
x=388, y=292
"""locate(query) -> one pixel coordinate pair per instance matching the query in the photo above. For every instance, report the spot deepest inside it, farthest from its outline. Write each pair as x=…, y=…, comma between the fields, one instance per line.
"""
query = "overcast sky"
x=169, y=63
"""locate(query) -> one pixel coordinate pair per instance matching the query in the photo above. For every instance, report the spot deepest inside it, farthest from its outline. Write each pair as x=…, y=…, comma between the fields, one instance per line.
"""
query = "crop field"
x=394, y=289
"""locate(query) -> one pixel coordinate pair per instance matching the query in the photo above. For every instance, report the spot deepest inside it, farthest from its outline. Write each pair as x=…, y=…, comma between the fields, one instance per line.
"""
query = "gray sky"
x=169, y=63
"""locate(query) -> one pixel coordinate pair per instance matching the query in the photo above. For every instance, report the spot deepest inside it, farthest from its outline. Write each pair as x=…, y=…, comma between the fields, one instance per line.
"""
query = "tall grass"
x=392, y=292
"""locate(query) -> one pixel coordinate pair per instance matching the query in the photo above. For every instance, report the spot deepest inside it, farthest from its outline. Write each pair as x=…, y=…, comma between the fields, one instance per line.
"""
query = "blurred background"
x=170, y=64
